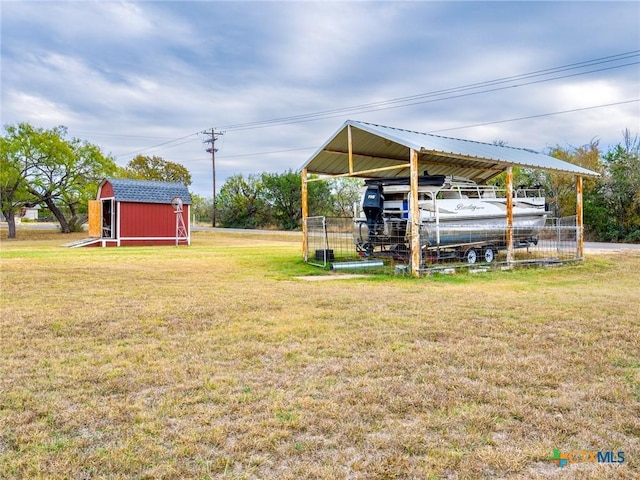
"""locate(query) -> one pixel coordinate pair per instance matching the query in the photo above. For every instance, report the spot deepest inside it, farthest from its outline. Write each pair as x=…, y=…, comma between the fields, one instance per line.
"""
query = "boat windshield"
x=470, y=192
x=529, y=193
x=448, y=194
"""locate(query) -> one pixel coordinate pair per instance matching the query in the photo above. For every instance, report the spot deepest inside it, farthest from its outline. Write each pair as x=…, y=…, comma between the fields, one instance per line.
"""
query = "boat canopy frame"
x=365, y=150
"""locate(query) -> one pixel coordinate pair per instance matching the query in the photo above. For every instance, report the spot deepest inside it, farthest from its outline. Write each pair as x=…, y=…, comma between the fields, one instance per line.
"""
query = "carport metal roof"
x=377, y=149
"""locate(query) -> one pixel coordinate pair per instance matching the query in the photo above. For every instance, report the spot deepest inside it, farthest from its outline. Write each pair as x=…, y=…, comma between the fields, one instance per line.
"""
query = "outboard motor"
x=373, y=205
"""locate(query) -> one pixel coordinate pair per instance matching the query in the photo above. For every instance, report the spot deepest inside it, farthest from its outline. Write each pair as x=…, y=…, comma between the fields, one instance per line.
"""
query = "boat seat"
x=489, y=194
x=450, y=195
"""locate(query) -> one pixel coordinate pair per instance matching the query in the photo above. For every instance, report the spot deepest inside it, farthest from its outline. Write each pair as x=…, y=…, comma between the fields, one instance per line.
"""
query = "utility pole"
x=212, y=150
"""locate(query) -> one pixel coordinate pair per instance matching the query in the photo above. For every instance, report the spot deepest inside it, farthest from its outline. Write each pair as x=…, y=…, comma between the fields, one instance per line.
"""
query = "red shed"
x=140, y=212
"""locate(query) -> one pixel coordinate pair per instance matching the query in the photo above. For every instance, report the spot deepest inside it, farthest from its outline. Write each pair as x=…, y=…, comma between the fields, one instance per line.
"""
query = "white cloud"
x=86, y=21
x=593, y=92
x=130, y=75
x=317, y=40
x=129, y=17
x=37, y=110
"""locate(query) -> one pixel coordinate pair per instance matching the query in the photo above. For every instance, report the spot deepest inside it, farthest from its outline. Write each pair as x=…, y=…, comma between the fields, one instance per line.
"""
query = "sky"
x=280, y=78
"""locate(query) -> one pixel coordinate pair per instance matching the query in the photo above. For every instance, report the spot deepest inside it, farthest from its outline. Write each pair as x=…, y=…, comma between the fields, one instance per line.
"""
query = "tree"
x=521, y=177
x=346, y=192
x=623, y=166
x=13, y=186
x=239, y=203
x=61, y=174
x=612, y=210
x=321, y=198
x=560, y=187
x=157, y=168
x=201, y=208
x=283, y=193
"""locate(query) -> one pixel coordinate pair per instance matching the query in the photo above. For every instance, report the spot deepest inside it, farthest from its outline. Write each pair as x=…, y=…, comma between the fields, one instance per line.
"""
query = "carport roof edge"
x=377, y=146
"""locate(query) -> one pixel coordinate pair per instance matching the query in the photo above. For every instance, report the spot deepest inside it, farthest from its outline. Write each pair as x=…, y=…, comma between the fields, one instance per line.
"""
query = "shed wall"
x=106, y=191
x=149, y=220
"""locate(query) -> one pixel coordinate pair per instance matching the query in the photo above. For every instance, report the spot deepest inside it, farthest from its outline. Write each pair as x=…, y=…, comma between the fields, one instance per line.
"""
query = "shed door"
x=108, y=219
x=94, y=218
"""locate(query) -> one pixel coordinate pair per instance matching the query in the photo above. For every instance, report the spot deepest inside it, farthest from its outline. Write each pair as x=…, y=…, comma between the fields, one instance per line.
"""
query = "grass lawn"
x=215, y=361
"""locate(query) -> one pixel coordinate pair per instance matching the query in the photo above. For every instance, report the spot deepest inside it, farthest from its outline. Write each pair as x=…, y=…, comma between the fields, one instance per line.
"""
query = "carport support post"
x=305, y=214
x=350, y=146
x=414, y=214
x=579, y=224
x=509, y=216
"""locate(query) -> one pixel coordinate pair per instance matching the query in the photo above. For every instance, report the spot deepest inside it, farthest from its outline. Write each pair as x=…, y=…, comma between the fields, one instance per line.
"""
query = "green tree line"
x=44, y=167
x=611, y=202
x=274, y=200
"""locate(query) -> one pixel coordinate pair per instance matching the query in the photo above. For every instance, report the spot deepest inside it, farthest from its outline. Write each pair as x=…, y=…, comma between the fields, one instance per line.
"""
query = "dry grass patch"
x=214, y=362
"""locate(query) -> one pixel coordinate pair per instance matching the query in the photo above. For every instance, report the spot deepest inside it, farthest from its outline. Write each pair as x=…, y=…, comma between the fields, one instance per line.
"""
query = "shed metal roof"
x=146, y=191
x=377, y=146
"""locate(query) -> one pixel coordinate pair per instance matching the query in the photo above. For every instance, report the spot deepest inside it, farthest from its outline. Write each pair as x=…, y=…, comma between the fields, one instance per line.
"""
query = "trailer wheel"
x=489, y=254
x=368, y=249
x=471, y=256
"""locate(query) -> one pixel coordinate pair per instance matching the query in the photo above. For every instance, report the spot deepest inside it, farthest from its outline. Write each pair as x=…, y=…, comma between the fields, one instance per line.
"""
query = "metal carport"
x=360, y=149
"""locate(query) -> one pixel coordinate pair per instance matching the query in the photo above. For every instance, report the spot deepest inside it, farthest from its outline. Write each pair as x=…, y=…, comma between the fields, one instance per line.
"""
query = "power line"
x=460, y=127
x=268, y=153
x=116, y=135
x=174, y=145
x=364, y=109
x=429, y=97
x=535, y=116
x=381, y=105
x=135, y=152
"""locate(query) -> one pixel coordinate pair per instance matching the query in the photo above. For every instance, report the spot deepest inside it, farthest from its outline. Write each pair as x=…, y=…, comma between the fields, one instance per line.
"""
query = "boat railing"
x=489, y=191
x=485, y=191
